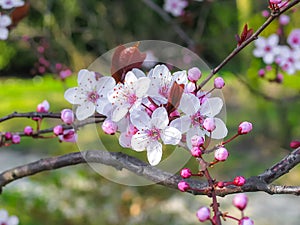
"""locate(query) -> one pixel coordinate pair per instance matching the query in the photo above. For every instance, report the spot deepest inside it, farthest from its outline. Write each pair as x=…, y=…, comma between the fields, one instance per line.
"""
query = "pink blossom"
x=196, y=152
x=63, y=74
x=266, y=48
x=221, y=154
x=261, y=73
x=295, y=144
x=239, y=181
x=197, y=140
x=109, y=127
x=219, y=83
x=68, y=136
x=28, y=130
x=246, y=221
x=67, y=116
x=5, y=219
x=279, y=78
x=185, y=173
x=8, y=135
x=203, y=214
x=265, y=13
x=58, y=130
x=194, y=74
x=9, y=4
x=289, y=59
x=275, y=1
x=209, y=124
x=284, y=19
x=240, y=201
x=16, y=139
x=175, y=7
x=244, y=128
x=183, y=186
x=5, y=21
x=294, y=38
x=43, y=107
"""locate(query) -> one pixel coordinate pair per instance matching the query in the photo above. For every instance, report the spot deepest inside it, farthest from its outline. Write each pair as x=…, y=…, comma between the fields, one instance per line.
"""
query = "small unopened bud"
x=240, y=201
x=8, y=135
x=284, y=19
x=244, y=128
x=209, y=124
x=185, y=173
x=43, y=107
x=265, y=13
x=109, y=127
x=190, y=87
x=295, y=144
x=197, y=141
x=220, y=184
x=221, y=154
x=219, y=83
x=275, y=1
x=239, y=181
x=16, y=139
x=279, y=78
x=58, y=130
x=28, y=130
x=183, y=186
x=67, y=116
x=246, y=221
x=194, y=74
x=203, y=214
x=261, y=73
x=196, y=152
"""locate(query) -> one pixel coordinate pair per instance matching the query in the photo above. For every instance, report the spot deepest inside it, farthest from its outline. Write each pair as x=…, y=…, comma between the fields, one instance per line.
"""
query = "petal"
x=13, y=220
x=189, y=104
x=273, y=40
x=138, y=73
x=5, y=21
x=154, y=153
x=140, y=141
x=191, y=132
x=211, y=107
x=125, y=140
x=159, y=118
x=3, y=33
x=3, y=214
x=104, y=85
x=258, y=52
x=85, y=110
x=119, y=113
x=141, y=86
x=74, y=96
x=221, y=129
x=260, y=42
x=171, y=136
x=182, y=124
x=140, y=119
x=103, y=107
x=268, y=58
x=180, y=77
x=130, y=78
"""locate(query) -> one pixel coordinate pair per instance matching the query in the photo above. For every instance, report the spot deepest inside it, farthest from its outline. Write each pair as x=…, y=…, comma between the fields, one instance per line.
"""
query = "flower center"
x=93, y=96
x=164, y=90
x=131, y=99
x=154, y=133
x=197, y=119
x=268, y=49
x=295, y=40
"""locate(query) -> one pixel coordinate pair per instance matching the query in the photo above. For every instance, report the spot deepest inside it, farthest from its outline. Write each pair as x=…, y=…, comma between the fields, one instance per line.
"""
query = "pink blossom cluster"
x=175, y=7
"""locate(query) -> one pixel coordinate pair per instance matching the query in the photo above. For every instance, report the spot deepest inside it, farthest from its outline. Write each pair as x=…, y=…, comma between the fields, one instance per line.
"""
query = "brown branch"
x=248, y=41
x=121, y=161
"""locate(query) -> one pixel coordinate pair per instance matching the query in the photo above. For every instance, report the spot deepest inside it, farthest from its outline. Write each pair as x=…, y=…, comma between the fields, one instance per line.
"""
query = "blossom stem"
x=230, y=139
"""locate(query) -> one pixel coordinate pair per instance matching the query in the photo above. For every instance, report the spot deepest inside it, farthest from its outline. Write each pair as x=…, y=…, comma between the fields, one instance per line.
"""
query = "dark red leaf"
x=174, y=97
x=18, y=14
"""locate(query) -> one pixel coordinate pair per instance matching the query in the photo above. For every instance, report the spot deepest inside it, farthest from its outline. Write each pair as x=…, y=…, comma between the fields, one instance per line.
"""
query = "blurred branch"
x=254, y=36
x=165, y=16
x=121, y=161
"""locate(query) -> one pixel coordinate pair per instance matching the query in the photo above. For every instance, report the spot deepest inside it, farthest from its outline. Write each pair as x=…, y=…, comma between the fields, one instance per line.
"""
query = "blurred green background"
x=77, y=32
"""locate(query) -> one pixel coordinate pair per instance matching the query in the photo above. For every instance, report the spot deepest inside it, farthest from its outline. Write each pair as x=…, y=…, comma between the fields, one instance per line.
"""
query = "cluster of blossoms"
x=150, y=110
x=5, y=20
x=175, y=7
x=5, y=219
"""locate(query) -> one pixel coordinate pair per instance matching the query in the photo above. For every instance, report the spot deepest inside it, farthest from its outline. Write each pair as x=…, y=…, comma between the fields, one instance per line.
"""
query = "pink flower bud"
x=183, y=186
x=221, y=154
x=175, y=113
x=58, y=130
x=279, y=78
x=219, y=83
x=244, y=128
x=209, y=124
x=240, y=201
x=246, y=221
x=203, y=214
x=109, y=127
x=275, y=1
x=220, y=184
x=68, y=136
x=265, y=13
x=261, y=73
x=43, y=107
x=8, y=135
x=194, y=74
x=15, y=139
x=197, y=141
x=196, y=152
x=284, y=19
x=67, y=116
x=28, y=130
x=58, y=66
x=239, y=181
x=186, y=173
x=65, y=73
x=295, y=144
x=190, y=87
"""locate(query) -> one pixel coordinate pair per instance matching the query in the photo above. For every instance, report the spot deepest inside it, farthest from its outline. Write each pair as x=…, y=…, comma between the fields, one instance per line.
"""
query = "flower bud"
x=203, y=214
x=279, y=78
x=221, y=154
x=240, y=201
x=8, y=135
x=43, y=107
x=265, y=13
x=65, y=73
x=239, y=181
x=58, y=130
x=196, y=152
x=109, y=127
x=68, y=136
x=190, y=87
x=219, y=83
x=67, y=116
x=209, y=124
x=185, y=173
x=295, y=144
x=244, y=128
x=183, y=186
x=28, y=130
x=194, y=74
x=15, y=139
x=261, y=73
x=284, y=19
x=246, y=221
x=197, y=141
x=275, y=1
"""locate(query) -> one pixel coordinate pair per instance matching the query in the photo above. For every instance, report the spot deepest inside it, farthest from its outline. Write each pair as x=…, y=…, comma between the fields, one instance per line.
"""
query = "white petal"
x=162, y=72
x=159, y=118
x=189, y=104
x=104, y=85
x=3, y=215
x=171, y=136
x=183, y=123
x=268, y=58
x=13, y=220
x=260, y=42
x=258, y=52
x=3, y=33
x=138, y=73
x=140, y=119
x=140, y=141
x=180, y=77
x=221, y=130
x=86, y=79
x=85, y=110
x=154, y=153
x=130, y=79
x=141, y=86
x=5, y=21
x=211, y=107
x=191, y=132
x=125, y=140
x=103, y=107
x=74, y=96
x=119, y=113
x=273, y=40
